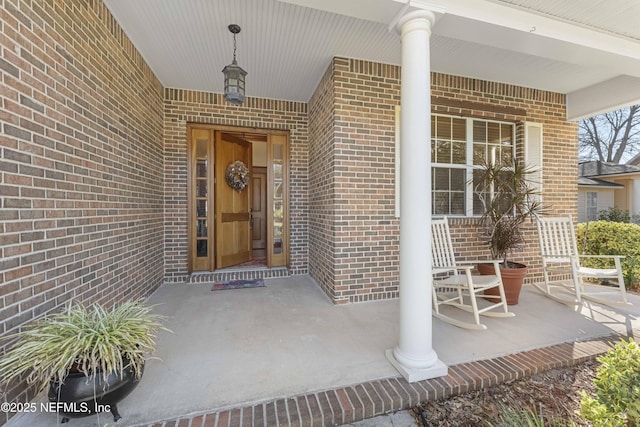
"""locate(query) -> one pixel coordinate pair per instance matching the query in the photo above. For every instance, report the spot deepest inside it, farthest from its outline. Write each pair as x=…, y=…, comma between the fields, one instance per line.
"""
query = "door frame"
x=279, y=137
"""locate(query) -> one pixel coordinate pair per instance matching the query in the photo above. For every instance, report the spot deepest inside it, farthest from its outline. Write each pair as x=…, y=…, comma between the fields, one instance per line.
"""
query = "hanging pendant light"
x=234, y=75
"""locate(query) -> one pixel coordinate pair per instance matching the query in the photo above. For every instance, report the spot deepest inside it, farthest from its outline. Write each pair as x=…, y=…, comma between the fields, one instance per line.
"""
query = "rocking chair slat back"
x=441, y=247
x=557, y=239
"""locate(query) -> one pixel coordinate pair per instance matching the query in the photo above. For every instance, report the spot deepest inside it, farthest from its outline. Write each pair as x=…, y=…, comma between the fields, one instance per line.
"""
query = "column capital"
x=421, y=19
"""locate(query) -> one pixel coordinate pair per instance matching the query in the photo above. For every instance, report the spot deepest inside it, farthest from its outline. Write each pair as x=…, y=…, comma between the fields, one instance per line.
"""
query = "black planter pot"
x=81, y=396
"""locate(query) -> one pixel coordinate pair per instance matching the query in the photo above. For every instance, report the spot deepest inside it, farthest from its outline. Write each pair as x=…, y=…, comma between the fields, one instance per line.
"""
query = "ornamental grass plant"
x=521, y=417
x=92, y=341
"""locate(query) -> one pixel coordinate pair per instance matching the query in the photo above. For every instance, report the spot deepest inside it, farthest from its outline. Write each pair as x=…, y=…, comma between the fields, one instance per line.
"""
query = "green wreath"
x=237, y=175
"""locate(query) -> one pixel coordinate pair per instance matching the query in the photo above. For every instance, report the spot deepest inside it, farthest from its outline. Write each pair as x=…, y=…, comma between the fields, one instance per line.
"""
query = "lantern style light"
x=234, y=75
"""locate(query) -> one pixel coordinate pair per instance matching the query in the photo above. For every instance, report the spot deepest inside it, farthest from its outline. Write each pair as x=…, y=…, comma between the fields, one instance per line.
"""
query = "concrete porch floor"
x=238, y=348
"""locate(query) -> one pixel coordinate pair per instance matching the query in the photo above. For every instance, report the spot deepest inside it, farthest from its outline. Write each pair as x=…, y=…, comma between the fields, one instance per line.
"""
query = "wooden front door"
x=232, y=206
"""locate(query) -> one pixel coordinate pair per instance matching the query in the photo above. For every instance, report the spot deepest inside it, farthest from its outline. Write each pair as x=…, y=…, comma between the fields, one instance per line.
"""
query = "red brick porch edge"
x=354, y=403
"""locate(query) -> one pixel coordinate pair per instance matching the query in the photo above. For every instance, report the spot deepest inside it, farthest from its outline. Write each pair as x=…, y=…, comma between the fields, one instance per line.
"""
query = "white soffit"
x=596, y=45
x=284, y=48
x=370, y=10
x=522, y=58
x=502, y=14
x=618, y=92
x=616, y=17
x=286, y=45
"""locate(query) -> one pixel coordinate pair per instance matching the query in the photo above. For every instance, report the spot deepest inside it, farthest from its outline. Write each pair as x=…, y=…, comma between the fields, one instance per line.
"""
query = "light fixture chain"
x=234, y=47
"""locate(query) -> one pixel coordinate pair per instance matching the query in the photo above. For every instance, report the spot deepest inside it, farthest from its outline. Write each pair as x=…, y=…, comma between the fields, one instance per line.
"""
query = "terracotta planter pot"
x=512, y=280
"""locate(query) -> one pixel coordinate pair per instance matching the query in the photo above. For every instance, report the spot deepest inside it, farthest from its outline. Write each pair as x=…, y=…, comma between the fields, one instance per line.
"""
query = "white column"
x=634, y=206
x=414, y=356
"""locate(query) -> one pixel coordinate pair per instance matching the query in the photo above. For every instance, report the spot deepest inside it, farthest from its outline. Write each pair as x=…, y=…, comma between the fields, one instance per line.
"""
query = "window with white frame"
x=458, y=146
x=591, y=206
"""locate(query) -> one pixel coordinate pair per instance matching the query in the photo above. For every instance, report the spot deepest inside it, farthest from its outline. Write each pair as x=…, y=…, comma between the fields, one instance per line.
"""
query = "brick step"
x=238, y=274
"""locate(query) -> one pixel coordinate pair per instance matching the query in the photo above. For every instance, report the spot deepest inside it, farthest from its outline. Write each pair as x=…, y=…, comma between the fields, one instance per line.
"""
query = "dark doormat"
x=238, y=284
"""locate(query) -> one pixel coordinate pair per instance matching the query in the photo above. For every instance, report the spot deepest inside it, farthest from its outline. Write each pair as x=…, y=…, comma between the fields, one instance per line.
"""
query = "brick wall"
x=351, y=163
x=322, y=243
x=367, y=231
x=81, y=160
x=182, y=107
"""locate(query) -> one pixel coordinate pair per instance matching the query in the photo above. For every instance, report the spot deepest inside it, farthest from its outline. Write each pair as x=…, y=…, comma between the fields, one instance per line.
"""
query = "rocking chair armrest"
x=443, y=268
x=602, y=256
x=481, y=261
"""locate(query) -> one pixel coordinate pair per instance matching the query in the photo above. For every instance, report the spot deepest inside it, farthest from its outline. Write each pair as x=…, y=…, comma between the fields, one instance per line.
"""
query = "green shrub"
x=617, y=395
x=614, y=214
x=612, y=238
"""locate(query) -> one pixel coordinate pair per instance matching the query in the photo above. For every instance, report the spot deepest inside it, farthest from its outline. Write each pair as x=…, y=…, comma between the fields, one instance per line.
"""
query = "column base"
x=439, y=369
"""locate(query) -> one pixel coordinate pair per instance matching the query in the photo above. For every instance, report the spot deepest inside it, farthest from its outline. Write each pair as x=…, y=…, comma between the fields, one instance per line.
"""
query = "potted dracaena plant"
x=89, y=358
x=508, y=198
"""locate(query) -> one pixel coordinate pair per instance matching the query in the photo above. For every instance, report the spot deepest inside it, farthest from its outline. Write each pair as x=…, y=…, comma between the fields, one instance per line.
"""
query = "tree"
x=608, y=137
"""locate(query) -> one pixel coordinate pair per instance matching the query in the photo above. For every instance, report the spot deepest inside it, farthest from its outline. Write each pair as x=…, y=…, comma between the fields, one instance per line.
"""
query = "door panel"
x=233, y=230
x=277, y=195
x=200, y=229
x=258, y=208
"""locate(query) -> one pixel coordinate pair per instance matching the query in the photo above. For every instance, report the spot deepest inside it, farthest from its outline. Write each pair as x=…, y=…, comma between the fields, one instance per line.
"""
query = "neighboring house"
x=604, y=185
x=635, y=160
x=113, y=121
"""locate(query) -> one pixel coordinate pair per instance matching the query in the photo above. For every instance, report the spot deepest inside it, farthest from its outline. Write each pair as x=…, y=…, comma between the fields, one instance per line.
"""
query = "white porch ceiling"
x=589, y=50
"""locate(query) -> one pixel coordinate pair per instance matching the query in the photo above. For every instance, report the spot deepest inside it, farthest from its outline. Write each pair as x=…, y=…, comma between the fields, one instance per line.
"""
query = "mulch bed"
x=554, y=395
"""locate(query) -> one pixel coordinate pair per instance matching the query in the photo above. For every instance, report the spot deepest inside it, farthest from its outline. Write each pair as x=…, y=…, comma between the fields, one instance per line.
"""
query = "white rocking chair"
x=454, y=285
x=560, y=257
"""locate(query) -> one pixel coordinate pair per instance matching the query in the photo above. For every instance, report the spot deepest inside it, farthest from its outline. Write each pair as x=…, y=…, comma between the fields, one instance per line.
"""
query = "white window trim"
x=587, y=206
x=533, y=152
x=397, y=171
x=469, y=172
